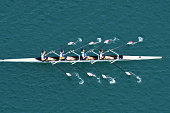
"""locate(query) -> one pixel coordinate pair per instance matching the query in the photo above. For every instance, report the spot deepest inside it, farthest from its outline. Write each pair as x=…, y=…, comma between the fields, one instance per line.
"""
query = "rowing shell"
x=121, y=58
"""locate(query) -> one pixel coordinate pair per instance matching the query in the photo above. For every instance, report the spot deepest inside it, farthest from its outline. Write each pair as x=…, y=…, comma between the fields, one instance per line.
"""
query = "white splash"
x=112, y=80
x=79, y=40
x=137, y=77
x=140, y=39
x=98, y=78
x=81, y=80
x=113, y=40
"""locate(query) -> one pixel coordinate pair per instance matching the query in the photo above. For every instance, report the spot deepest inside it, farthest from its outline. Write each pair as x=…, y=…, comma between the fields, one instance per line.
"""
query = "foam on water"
x=98, y=78
x=140, y=39
x=113, y=40
x=137, y=77
x=81, y=80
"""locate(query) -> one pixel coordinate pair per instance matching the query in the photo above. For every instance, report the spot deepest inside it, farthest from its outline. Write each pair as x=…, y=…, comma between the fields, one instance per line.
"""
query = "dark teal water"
x=30, y=26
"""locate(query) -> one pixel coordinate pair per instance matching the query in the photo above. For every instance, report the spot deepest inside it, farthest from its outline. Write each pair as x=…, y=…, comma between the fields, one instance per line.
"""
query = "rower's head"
x=101, y=50
x=43, y=51
x=82, y=50
x=62, y=51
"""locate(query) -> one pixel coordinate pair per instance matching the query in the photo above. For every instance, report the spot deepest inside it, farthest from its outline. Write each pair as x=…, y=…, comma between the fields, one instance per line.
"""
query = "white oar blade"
x=70, y=43
x=91, y=43
x=106, y=41
x=104, y=76
x=128, y=73
x=130, y=42
x=90, y=74
x=68, y=74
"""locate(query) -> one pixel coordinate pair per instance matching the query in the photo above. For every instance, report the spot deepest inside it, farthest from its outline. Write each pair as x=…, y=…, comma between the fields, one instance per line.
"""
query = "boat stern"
x=141, y=57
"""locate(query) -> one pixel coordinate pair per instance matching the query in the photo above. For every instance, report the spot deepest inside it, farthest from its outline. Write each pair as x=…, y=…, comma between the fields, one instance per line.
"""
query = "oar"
x=91, y=43
x=127, y=73
x=70, y=43
x=110, y=79
x=101, y=46
x=68, y=74
x=88, y=73
x=104, y=76
x=129, y=43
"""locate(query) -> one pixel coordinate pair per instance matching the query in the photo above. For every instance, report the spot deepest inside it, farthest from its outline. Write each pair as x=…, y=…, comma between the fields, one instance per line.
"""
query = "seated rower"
x=45, y=58
x=62, y=57
x=84, y=57
x=104, y=57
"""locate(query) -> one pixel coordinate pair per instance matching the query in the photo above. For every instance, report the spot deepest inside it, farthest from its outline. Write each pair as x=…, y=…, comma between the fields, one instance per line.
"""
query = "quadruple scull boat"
x=115, y=57
x=121, y=58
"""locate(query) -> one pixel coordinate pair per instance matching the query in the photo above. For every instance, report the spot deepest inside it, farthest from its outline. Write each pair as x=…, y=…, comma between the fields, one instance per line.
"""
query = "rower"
x=104, y=57
x=62, y=57
x=101, y=55
x=84, y=57
x=45, y=58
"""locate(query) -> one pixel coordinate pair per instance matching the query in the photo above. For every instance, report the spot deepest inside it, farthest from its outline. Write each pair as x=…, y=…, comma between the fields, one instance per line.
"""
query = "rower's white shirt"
x=83, y=54
x=100, y=54
x=42, y=56
x=61, y=54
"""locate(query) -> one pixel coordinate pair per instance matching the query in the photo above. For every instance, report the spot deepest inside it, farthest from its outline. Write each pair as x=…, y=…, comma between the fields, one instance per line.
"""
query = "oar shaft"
x=119, y=68
x=77, y=48
x=61, y=47
x=97, y=69
x=116, y=48
x=81, y=47
x=94, y=48
x=60, y=69
x=119, y=46
x=80, y=68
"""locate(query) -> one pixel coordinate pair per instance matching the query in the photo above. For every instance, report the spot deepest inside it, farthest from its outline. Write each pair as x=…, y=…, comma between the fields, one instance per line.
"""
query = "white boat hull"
x=21, y=60
x=125, y=58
